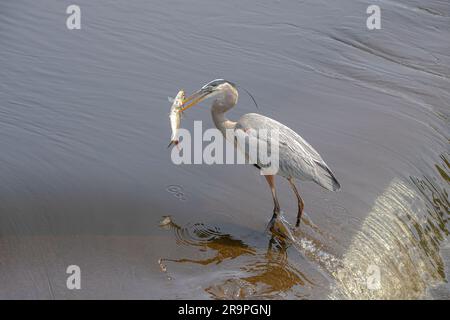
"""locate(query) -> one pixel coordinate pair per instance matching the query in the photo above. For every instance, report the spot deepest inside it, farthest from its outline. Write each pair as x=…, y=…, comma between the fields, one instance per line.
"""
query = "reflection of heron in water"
x=297, y=158
x=269, y=270
x=198, y=235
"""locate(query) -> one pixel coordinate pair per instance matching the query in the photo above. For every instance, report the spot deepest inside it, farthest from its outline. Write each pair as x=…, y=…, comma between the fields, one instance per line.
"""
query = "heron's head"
x=220, y=88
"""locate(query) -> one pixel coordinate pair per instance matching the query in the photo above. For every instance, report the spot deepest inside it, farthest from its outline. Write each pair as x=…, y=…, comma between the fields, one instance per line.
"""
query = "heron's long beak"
x=194, y=99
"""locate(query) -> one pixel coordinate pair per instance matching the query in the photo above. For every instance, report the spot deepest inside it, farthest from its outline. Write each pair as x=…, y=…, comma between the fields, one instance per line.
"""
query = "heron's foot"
x=276, y=212
x=272, y=221
x=270, y=224
x=299, y=217
x=278, y=228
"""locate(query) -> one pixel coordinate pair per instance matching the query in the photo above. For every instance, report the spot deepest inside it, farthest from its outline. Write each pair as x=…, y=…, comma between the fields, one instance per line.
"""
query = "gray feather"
x=297, y=158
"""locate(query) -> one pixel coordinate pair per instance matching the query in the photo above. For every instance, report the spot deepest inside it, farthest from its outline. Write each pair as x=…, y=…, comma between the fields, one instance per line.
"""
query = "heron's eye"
x=207, y=89
x=213, y=84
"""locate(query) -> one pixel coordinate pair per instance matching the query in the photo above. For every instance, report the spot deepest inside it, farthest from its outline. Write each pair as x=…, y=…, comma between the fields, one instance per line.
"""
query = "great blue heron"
x=297, y=158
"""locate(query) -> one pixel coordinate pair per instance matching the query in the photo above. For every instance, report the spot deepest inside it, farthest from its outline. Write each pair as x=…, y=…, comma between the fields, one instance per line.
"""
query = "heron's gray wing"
x=247, y=142
x=297, y=158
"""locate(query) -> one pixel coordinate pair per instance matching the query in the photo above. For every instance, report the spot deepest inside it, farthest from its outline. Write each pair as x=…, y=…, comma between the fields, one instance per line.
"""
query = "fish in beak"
x=175, y=117
x=181, y=103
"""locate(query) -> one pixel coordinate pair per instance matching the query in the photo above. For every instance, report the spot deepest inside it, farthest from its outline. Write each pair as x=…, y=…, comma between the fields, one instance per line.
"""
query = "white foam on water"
x=391, y=240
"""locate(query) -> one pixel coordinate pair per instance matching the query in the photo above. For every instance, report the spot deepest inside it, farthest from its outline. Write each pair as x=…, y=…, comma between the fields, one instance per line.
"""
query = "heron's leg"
x=271, y=181
x=301, y=204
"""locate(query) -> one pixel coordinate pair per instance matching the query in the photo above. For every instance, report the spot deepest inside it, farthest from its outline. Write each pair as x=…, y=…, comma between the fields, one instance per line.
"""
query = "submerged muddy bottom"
x=87, y=178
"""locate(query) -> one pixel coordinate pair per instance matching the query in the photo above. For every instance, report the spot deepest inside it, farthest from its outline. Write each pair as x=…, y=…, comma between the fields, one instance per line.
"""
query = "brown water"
x=87, y=177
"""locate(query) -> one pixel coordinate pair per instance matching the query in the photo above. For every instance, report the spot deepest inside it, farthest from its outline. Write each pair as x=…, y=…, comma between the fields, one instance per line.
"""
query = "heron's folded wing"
x=297, y=158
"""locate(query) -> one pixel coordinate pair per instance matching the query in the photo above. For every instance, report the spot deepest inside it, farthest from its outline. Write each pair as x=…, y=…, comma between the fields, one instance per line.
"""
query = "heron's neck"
x=220, y=106
x=220, y=120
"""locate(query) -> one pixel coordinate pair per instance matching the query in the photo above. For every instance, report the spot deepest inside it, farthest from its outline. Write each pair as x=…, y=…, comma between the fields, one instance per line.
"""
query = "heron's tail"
x=326, y=178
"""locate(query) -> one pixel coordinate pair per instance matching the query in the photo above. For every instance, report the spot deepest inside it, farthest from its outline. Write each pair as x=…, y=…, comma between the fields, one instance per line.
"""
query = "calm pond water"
x=87, y=177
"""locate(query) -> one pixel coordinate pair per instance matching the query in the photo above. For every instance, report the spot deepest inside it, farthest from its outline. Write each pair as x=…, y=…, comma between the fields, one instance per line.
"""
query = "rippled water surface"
x=87, y=177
